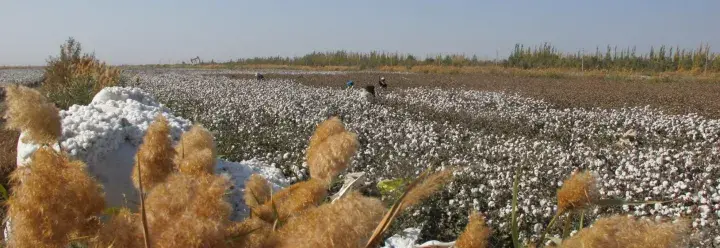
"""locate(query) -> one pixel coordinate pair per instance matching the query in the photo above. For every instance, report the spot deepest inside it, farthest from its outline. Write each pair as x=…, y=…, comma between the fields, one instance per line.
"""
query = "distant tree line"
x=662, y=59
x=365, y=60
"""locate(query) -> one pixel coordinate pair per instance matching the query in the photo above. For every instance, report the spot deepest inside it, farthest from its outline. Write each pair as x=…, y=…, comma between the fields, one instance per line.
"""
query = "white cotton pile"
x=106, y=134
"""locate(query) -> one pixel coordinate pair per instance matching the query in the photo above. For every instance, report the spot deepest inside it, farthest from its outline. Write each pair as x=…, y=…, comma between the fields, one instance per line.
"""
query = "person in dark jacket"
x=259, y=76
x=370, y=89
x=382, y=82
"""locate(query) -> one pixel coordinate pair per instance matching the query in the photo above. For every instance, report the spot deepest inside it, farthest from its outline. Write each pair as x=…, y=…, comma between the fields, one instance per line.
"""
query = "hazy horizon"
x=138, y=32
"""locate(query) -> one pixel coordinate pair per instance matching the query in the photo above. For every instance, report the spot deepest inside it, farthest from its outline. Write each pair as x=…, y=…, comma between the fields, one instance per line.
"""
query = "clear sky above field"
x=170, y=31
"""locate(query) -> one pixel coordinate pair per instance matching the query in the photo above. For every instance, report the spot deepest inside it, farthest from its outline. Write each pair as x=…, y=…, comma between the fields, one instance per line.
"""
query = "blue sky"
x=132, y=32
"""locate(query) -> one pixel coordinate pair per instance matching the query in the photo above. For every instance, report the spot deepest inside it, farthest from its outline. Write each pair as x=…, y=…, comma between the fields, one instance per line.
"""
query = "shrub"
x=75, y=77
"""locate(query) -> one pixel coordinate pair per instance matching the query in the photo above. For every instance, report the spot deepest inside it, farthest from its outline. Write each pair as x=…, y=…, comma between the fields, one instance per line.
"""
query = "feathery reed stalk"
x=624, y=231
x=121, y=231
x=53, y=201
x=330, y=150
x=348, y=222
x=428, y=186
x=416, y=191
x=188, y=211
x=292, y=200
x=476, y=233
x=155, y=154
x=257, y=191
x=30, y=112
x=143, y=214
x=577, y=192
x=195, y=153
x=251, y=233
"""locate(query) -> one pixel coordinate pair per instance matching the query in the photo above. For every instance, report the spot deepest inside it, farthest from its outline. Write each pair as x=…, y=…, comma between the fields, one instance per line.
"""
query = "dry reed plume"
x=332, y=156
x=325, y=129
x=188, y=211
x=53, y=202
x=348, y=222
x=577, y=192
x=251, y=233
x=292, y=200
x=623, y=231
x=30, y=112
x=476, y=233
x=419, y=189
x=195, y=153
x=121, y=231
x=155, y=155
x=257, y=191
x=330, y=150
x=426, y=187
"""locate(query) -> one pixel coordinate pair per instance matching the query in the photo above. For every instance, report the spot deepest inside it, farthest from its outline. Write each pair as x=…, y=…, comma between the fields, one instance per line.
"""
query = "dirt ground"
x=676, y=97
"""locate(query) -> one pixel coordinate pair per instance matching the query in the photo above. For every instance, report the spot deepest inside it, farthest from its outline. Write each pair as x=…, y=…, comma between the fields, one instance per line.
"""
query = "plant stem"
x=146, y=232
x=566, y=226
x=514, y=222
x=582, y=218
x=550, y=225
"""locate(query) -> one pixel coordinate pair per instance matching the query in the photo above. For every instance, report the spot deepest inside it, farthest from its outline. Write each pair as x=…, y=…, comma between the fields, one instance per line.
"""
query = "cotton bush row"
x=488, y=134
x=20, y=75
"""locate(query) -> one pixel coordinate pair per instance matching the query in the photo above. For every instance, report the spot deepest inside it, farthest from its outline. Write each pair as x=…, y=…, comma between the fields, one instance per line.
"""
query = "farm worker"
x=259, y=76
x=382, y=82
x=350, y=84
x=369, y=93
x=370, y=89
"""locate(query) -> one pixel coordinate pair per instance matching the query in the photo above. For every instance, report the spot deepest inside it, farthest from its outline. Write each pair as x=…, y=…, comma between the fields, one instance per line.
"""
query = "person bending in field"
x=259, y=76
x=370, y=89
x=369, y=93
x=349, y=84
x=382, y=83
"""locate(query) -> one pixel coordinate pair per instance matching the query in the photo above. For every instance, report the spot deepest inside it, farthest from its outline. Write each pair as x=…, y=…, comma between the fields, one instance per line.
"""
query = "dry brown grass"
x=626, y=232
x=251, y=233
x=195, y=154
x=257, y=191
x=292, y=200
x=577, y=192
x=331, y=157
x=348, y=222
x=122, y=230
x=8, y=152
x=426, y=188
x=30, y=112
x=55, y=202
x=476, y=233
x=155, y=155
x=188, y=211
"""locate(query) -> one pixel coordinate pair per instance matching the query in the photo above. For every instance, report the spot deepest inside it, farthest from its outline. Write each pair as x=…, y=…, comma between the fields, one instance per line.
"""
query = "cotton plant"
x=671, y=157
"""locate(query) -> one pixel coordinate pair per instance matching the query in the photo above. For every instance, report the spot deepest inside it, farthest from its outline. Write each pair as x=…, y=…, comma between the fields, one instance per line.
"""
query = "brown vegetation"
x=155, y=155
x=476, y=233
x=74, y=77
x=30, y=111
x=54, y=203
x=623, y=231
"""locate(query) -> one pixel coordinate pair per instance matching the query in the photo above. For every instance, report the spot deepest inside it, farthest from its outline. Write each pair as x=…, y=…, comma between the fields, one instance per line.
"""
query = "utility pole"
x=582, y=60
x=497, y=57
x=707, y=61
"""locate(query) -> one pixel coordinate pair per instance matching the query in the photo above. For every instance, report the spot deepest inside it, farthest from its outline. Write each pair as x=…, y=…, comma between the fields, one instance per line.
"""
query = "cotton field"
x=638, y=153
